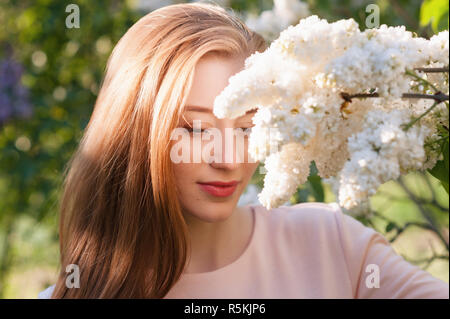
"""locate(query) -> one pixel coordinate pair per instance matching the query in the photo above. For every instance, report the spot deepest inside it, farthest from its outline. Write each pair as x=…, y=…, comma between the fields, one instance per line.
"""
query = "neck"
x=216, y=244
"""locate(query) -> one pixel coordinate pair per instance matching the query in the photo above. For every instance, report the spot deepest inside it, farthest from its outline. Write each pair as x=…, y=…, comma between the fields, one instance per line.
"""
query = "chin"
x=214, y=212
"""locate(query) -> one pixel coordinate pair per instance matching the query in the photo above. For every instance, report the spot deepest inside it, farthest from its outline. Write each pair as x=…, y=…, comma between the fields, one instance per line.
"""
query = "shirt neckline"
x=237, y=261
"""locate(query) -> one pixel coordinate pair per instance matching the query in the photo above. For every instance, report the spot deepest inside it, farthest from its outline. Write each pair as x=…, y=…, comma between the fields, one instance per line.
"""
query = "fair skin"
x=219, y=230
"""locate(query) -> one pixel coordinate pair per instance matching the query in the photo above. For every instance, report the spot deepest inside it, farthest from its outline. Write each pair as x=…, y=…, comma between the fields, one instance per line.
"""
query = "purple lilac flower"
x=10, y=73
x=14, y=97
x=6, y=109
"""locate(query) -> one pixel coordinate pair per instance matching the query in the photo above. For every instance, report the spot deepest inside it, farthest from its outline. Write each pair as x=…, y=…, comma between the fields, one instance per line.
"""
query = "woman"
x=140, y=224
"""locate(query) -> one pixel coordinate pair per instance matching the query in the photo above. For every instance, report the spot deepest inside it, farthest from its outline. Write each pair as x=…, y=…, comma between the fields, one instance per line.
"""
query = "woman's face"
x=228, y=158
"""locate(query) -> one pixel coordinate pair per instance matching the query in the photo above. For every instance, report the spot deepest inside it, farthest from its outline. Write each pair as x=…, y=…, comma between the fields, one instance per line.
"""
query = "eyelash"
x=191, y=129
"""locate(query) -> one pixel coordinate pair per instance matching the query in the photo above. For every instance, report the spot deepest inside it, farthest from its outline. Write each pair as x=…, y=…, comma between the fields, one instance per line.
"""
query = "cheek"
x=249, y=169
x=184, y=174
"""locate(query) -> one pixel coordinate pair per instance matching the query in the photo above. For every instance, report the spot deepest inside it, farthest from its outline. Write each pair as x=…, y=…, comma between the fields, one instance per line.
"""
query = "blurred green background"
x=49, y=80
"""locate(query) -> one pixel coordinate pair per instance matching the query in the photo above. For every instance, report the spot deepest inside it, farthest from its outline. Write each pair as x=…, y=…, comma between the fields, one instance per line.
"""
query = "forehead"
x=211, y=76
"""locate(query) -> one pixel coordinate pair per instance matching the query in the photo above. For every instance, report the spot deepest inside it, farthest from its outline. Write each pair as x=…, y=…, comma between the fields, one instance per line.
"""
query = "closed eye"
x=194, y=130
x=202, y=130
x=245, y=130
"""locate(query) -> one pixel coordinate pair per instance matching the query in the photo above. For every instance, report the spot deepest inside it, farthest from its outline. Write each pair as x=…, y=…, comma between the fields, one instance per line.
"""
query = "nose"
x=225, y=166
x=228, y=159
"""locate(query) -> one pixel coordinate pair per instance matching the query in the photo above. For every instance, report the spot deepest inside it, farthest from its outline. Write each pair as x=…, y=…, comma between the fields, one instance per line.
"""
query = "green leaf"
x=441, y=169
x=390, y=226
x=445, y=151
x=436, y=13
x=302, y=195
x=316, y=187
x=315, y=183
x=445, y=185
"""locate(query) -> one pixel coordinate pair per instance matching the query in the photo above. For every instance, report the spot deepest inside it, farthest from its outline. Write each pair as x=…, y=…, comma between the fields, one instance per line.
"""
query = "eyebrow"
x=197, y=108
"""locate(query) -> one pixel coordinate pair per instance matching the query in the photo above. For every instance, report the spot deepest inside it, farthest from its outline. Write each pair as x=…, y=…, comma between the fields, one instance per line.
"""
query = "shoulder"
x=311, y=219
x=46, y=293
x=307, y=214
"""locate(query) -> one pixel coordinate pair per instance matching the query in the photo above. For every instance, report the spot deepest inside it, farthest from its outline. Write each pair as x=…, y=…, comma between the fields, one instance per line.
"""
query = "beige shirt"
x=310, y=250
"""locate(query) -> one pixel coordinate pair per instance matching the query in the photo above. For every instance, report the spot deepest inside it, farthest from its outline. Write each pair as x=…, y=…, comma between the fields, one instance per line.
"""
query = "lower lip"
x=219, y=191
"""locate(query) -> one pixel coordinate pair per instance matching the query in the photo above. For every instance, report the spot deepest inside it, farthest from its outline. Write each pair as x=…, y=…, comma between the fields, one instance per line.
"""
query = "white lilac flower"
x=382, y=151
x=270, y=23
x=290, y=11
x=276, y=126
x=329, y=146
x=438, y=48
x=262, y=83
x=285, y=171
x=296, y=85
x=379, y=60
x=362, y=175
x=314, y=42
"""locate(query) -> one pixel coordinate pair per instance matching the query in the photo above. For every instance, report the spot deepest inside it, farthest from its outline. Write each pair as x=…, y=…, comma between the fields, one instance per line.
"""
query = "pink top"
x=312, y=250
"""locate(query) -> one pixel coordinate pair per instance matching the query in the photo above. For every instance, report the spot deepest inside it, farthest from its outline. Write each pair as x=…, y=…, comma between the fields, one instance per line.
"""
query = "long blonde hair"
x=120, y=220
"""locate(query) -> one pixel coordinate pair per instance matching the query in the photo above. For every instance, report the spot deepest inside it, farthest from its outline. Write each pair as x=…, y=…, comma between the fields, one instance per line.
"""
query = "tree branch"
x=407, y=126
x=400, y=229
x=432, y=70
x=421, y=79
x=423, y=212
x=428, y=261
x=438, y=96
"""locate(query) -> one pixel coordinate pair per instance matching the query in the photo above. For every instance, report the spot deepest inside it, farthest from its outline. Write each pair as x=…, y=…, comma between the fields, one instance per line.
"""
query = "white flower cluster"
x=271, y=22
x=296, y=84
x=382, y=151
x=286, y=170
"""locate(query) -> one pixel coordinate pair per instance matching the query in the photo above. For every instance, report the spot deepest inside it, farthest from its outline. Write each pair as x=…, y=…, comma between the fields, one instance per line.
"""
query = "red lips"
x=219, y=188
x=219, y=183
